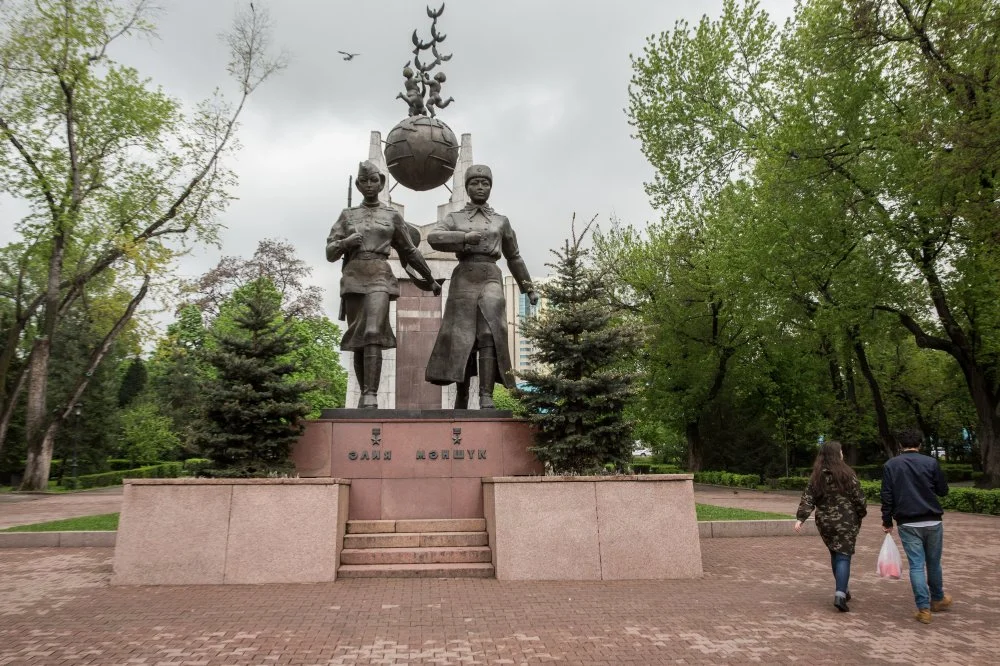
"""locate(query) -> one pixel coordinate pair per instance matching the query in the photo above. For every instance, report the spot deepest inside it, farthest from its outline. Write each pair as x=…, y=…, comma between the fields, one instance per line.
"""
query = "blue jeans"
x=923, y=547
x=841, y=564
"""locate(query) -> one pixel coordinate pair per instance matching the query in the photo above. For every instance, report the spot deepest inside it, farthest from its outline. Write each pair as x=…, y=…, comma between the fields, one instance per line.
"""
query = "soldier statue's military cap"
x=368, y=168
x=478, y=171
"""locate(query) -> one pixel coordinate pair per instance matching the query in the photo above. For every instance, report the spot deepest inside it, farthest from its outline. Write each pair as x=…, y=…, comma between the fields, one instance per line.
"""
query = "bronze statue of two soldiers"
x=473, y=336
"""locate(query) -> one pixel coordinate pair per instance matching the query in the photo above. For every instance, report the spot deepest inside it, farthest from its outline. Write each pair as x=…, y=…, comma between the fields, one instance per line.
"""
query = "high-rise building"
x=519, y=309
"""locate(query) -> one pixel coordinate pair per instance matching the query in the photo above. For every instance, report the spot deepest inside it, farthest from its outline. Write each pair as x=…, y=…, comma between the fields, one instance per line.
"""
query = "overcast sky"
x=541, y=87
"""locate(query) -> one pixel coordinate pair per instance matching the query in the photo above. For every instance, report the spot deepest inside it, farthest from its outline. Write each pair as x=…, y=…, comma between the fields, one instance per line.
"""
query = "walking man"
x=911, y=484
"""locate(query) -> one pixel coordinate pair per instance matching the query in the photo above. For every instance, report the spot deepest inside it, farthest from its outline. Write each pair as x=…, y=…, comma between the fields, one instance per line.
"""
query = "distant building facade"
x=520, y=309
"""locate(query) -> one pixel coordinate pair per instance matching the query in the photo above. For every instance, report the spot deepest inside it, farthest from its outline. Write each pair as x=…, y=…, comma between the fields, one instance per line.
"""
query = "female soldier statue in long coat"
x=363, y=235
x=475, y=314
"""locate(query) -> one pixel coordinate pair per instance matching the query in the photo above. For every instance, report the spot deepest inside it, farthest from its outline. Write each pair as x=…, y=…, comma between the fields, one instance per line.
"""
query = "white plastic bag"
x=890, y=564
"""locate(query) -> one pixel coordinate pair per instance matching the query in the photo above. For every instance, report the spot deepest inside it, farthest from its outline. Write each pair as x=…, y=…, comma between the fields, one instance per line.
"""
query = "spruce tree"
x=133, y=382
x=253, y=411
x=578, y=397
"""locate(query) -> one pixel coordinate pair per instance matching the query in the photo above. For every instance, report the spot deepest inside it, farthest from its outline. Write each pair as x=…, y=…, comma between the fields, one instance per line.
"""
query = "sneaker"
x=841, y=604
x=923, y=615
x=848, y=597
x=942, y=605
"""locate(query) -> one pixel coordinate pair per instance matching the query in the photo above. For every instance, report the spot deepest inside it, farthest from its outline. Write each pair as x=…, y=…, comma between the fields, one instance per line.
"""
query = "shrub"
x=195, y=466
x=872, y=490
x=788, y=483
x=727, y=479
x=973, y=500
x=655, y=468
x=147, y=434
x=170, y=470
x=866, y=472
x=958, y=473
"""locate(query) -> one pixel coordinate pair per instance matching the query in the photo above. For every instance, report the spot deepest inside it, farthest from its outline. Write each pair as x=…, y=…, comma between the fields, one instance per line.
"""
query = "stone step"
x=441, y=570
x=416, y=540
x=416, y=525
x=415, y=555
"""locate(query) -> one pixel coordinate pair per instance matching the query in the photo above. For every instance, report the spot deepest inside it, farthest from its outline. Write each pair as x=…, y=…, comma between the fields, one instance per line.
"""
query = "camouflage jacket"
x=838, y=514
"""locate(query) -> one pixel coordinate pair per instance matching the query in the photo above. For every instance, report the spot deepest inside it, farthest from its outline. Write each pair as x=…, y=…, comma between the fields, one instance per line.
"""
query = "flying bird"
x=348, y=56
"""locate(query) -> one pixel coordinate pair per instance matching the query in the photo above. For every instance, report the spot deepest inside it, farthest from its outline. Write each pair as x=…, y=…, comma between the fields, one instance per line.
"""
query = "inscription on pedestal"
x=373, y=455
x=457, y=454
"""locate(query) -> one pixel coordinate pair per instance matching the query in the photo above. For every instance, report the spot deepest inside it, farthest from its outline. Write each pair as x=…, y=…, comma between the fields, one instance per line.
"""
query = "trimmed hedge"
x=195, y=466
x=967, y=500
x=170, y=470
x=727, y=479
x=973, y=500
x=656, y=468
x=872, y=490
x=788, y=483
x=953, y=472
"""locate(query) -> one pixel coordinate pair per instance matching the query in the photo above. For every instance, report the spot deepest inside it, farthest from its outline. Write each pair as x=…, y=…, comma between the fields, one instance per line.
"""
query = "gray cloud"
x=541, y=86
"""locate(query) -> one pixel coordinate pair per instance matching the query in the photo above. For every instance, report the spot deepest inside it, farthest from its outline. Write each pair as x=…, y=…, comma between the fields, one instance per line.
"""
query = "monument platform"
x=411, y=464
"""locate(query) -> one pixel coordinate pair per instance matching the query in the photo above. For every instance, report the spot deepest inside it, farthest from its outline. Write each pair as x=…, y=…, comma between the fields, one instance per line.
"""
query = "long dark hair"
x=831, y=459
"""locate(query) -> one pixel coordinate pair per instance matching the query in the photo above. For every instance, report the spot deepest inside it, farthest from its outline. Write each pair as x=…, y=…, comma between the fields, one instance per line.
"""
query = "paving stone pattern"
x=762, y=600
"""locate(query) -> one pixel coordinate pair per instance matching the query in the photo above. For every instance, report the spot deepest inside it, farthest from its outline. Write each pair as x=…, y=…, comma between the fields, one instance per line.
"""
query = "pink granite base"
x=216, y=531
x=415, y=468
x=593, y=528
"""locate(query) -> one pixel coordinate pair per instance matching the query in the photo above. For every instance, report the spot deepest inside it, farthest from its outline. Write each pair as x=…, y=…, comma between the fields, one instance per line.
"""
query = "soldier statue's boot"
x=462, y=394
x=359, y=373
x=372, y=374
x=487, y=375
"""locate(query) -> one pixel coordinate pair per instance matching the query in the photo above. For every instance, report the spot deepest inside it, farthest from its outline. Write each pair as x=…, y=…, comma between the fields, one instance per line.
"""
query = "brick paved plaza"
x=762, y=600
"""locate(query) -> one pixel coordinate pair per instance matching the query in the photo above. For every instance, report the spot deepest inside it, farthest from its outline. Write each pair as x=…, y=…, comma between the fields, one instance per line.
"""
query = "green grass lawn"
x=109, y=521
x=104, y=522
x=711, y=512
x=54, y=487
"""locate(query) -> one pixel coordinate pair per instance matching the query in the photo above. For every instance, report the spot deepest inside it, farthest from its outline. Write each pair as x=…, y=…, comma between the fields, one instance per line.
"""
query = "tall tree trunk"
x=988, y=427
x=694, y=446
x=889, y=445
x=10, y=401
x=39, y=457
x=36, y=473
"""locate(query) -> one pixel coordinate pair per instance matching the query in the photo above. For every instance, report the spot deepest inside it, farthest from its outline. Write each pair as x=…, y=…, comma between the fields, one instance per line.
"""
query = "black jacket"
x=911, y=484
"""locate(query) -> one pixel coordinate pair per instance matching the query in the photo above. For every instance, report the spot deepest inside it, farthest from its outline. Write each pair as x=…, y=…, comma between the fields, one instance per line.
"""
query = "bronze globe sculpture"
x=421, y=153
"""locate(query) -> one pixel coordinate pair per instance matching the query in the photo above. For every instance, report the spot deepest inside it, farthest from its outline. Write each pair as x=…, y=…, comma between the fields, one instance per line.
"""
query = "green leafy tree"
x=862, y=137
x=178, y=373
x=146, y=435
x=253, y=409
x=112, y=173
x=503, y=399
x=316, y=357
x=577, y=401
x=315, y=354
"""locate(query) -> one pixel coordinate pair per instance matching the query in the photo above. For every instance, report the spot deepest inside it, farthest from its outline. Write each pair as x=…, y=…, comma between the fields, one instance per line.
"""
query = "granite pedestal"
x=218, y=531
x=593, y=527
x=415, y=463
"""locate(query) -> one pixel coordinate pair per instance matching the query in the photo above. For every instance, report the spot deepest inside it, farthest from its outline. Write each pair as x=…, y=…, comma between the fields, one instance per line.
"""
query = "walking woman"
x=835, y=493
